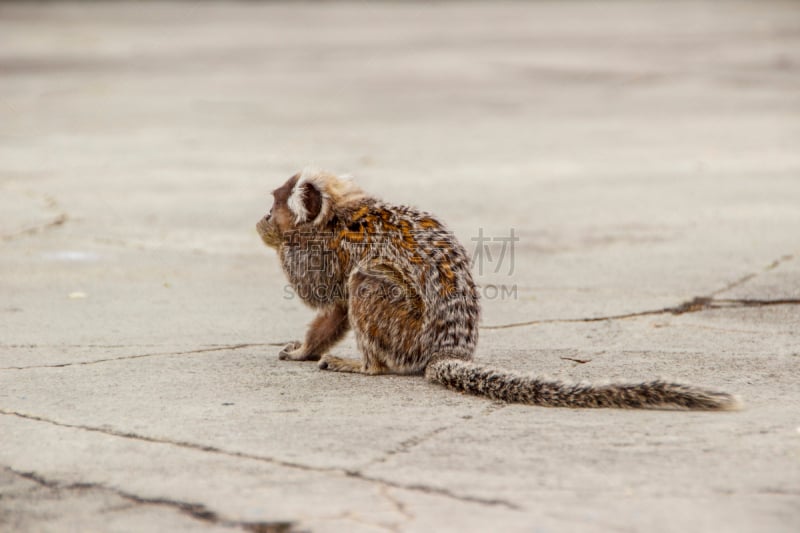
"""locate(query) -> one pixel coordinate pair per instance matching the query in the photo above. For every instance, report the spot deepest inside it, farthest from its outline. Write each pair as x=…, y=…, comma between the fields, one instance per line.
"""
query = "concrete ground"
x=645, y=155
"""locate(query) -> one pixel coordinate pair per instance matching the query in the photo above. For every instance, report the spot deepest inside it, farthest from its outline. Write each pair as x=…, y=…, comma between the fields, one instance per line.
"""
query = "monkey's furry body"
x=402, y=282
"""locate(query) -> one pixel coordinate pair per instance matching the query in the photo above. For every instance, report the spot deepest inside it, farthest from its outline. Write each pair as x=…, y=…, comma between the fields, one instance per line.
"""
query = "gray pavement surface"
x=645, y=154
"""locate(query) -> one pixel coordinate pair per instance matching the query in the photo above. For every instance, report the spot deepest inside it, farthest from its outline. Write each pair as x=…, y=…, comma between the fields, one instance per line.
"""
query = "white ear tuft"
x=297, y=204
x=317, y=191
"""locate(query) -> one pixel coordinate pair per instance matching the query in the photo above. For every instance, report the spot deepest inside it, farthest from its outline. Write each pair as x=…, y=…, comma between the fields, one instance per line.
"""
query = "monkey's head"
x=305, y=203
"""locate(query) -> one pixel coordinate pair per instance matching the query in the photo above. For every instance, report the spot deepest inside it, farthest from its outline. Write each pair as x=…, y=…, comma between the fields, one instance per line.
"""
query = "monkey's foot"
x=295, y=351
x=337, y=364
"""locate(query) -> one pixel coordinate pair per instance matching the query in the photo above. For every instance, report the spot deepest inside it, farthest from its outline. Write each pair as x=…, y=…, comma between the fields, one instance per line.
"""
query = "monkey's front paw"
x=290, y=349
x=296, y=351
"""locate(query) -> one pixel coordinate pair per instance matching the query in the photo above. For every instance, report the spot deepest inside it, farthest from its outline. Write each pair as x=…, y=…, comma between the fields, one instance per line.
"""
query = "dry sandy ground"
x=645, y=154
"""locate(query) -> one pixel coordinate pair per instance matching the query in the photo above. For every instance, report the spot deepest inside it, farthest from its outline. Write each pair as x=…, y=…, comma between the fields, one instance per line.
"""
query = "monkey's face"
x=280, y=219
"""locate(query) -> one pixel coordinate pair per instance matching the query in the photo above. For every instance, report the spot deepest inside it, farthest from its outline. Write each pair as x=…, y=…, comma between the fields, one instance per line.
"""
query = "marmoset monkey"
x=401, y=281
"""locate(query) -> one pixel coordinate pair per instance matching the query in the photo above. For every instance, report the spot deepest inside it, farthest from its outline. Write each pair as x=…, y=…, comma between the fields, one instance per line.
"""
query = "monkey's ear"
x=305, y=202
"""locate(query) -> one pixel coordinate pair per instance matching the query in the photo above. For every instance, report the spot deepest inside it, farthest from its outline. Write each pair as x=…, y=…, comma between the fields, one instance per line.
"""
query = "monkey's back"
x=429, y=258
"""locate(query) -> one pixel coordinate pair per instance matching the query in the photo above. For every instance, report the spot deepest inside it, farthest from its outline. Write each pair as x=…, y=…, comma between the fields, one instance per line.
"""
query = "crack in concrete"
x=695, y=305
x=140, y=356
x=198, y=511
x=33, y=345
x=438, y=491
x=398, y=506
x=407, y=445
x=355, y=474
x=411, y=443
x=744, y=279
x=33, y=230
x=579, y=361
x=51, y=204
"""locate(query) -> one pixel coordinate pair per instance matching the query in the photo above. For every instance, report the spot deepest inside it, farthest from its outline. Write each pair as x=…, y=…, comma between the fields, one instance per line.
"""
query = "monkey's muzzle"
x=263, y=224
x=268, y=231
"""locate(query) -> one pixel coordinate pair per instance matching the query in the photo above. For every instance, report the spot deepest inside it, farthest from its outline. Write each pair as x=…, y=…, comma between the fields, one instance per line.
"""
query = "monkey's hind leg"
x=327, y=328
x=386, y=315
